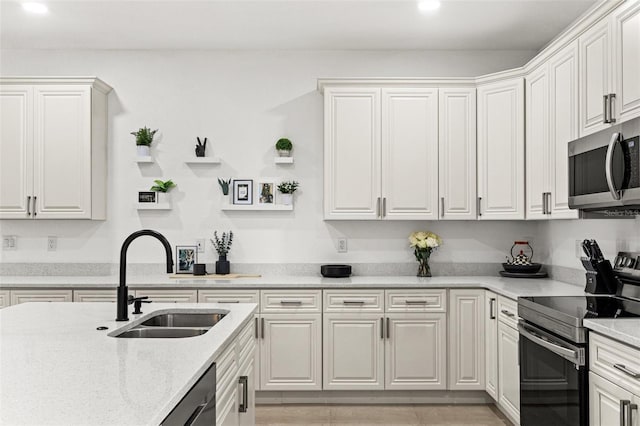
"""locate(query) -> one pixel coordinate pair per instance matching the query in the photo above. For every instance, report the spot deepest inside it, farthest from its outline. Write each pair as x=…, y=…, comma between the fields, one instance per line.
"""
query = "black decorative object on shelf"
x=223, y=266
x=222, y=246
x=335, y=271
x=224, y=185
x=199, y=269
x=200, y=147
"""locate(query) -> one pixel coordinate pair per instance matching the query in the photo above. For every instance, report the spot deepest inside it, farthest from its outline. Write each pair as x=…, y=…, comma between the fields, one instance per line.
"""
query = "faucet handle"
x=137, y=303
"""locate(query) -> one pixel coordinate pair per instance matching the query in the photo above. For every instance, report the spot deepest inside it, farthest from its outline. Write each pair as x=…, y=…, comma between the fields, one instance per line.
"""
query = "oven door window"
x=587, y=173
x=553, y=390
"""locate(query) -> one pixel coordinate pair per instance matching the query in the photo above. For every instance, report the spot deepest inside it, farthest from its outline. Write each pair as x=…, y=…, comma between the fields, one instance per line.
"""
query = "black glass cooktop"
x=580, y=307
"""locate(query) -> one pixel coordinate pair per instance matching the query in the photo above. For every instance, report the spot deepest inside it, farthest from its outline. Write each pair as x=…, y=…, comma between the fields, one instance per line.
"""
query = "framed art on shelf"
x=266, y=192
x=186, y=257
x=243, y=191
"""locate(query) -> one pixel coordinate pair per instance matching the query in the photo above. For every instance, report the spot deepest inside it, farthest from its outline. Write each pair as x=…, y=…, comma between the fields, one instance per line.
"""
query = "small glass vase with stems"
x=423, y=244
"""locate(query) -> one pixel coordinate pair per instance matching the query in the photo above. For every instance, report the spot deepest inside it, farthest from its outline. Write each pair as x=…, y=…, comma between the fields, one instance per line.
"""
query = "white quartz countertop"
x=625, y=330
x=509, y=287
x=57, y=369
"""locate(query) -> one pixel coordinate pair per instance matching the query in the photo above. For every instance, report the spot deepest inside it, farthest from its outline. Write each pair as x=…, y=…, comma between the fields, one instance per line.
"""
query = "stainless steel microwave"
x=604, y=169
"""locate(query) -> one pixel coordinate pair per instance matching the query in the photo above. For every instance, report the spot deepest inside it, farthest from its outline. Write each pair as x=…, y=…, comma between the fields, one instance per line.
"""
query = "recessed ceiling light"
x=428, y=5
x=38, y=8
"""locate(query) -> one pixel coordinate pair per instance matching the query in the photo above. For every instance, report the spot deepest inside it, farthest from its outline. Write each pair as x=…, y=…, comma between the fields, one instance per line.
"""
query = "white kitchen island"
x=57, y=368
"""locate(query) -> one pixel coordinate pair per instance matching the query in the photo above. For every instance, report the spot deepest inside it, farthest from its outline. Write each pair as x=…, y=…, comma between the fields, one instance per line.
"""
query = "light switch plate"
x=342, y=245
x=52, y=243
x=200, y=243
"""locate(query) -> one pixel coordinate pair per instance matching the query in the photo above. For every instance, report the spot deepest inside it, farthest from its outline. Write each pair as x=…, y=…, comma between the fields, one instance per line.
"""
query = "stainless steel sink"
x=184, y=320
x=163, y=332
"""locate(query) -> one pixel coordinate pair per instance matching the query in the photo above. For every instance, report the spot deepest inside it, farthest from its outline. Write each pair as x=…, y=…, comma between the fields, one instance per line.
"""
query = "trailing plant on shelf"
x=144, y=136
x=287, y=188
x=423, y=244
x=161, y=186
x=222, y=246
x=284, y=147
x=224, y=185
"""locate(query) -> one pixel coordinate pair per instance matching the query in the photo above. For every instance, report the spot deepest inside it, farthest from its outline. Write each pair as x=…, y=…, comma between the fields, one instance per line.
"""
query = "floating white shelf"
x=154, y=206
x=256, y=207
x=283, y=160
x=144, y=160
x=204, y=160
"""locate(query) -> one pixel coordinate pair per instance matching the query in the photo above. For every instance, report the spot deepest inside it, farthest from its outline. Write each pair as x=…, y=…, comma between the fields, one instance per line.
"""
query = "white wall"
x=243, y=102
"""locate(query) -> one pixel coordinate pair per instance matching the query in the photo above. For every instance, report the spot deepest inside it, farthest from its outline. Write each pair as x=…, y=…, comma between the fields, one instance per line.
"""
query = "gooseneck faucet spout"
x=123, y=290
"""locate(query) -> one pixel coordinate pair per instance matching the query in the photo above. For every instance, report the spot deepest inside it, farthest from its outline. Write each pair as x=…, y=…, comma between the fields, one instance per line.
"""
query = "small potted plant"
x=284, y=147
x=222, y=246
x=144, y=138
x=287, y=188
x=161, y=188
x=224, y=185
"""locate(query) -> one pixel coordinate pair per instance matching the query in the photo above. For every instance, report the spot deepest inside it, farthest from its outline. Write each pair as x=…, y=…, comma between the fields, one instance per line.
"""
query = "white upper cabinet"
x=409, y=154
x=595, y=77
x=457, y=151
x=626, y=38
x=16, y=151
x=501, y=150
x=53, y=145
x=537, y=147
x=352, y=165
x=563, y=128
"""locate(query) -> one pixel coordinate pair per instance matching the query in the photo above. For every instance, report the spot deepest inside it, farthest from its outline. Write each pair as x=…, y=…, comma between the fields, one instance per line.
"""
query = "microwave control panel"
x=631, y=149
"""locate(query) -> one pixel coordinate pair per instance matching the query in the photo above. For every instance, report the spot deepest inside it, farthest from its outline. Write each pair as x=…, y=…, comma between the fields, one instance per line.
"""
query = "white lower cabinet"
x=95, y=295
x=5, y=298
x=606, y=401
x=508, y=371
x=353, y=351
x=169, y=296
x=290, y=352
x=23, y=296
x=416, y=351
x=491, y=344
x=466, y=339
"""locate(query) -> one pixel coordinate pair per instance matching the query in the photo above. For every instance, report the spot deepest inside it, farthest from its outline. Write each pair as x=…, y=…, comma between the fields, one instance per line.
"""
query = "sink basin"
x=163, y=332
x=184, y=320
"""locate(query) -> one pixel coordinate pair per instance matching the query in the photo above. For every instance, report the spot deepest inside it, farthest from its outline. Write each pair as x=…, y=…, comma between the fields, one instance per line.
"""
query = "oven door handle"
x=545, y=343
x=609, y=166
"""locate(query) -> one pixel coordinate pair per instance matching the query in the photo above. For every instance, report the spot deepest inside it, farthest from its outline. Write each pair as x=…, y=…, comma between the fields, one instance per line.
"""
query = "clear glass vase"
x=424, y=270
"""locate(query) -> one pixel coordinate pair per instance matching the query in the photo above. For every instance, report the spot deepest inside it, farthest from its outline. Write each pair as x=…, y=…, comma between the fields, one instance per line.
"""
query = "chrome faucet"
x=123, y=291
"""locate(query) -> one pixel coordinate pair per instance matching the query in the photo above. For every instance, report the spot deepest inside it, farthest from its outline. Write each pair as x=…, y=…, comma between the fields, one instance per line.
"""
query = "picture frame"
x=243, y=191
x=186, y=257
x=147, y=197
x=266, y=192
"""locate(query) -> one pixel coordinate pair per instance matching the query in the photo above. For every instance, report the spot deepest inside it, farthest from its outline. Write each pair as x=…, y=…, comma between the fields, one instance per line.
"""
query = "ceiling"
x=288, y=24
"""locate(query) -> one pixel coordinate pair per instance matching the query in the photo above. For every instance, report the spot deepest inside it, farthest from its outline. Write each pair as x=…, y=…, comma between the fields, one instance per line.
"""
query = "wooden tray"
x=212, y=276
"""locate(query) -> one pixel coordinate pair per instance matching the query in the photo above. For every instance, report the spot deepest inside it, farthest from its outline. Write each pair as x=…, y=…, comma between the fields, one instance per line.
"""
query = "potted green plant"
x=222, y=246
x=287, y=188
x=284, y=147
x=224, y=185
x=144, y=138
x=162, y=190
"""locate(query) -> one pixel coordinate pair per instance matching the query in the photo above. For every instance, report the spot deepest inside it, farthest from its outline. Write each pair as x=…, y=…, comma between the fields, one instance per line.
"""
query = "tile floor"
x=390, y=415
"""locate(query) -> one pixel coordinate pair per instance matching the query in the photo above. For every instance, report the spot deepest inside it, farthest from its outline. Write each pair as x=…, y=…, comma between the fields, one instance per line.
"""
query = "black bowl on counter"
x=522, y=269
x=335, y=271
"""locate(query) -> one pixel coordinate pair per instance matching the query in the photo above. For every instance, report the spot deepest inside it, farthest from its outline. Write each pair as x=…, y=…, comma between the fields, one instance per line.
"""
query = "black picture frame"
x=243, y=192
x=186, y=257
x=147, y=197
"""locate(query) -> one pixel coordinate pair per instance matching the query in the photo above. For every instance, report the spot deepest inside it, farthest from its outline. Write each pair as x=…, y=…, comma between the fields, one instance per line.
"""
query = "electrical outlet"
x=201, y=244
x=342, y=245
x=9, y=242
x=52, y=243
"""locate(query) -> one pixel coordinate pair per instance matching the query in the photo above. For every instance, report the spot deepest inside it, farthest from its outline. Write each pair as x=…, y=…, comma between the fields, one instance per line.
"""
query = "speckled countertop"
x=509, y=287
x=56, y=368
x=625, y=330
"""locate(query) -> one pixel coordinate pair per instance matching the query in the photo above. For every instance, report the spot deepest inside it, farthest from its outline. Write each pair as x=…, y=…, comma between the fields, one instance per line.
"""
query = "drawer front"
x=95, y=295
x=306, y=301
x=228, y=296
x=416, y=300
x=5, y=299
x=615, y=362
x=23, y=296
x=354, y=300
x=508, y=311
x=169, y=296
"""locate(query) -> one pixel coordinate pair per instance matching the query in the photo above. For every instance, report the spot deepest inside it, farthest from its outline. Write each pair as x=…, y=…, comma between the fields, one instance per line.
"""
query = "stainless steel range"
x=553, y=345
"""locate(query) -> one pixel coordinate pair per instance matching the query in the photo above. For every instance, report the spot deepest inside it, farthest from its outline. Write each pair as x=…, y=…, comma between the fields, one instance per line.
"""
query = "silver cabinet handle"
x=388, y=328
x=378, y=207
x=632, y=408
x=605, y=113
x=626, y=371
x=442, y=205
x=548, y=203
x=612, y=97
x=382, y=328
x=507, y=313
x=244, y=381
x=34, y=206
x=257, y=331
x=544, y=203
x=262, y=327
x=353, y=302
x=609, y=166
x=384, y=206
x=479, y=206
x=492, y=306
x=228, y=301
x=291, y=302
x=623, y=411
x=28, y=205
x=416, y=302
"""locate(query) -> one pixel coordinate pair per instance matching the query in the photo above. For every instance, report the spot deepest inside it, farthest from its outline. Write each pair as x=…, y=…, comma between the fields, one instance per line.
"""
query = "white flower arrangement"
x=424, y=240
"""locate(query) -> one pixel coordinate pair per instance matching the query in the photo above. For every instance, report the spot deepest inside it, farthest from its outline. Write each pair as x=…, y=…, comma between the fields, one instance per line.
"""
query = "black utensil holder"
x=600, y=279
